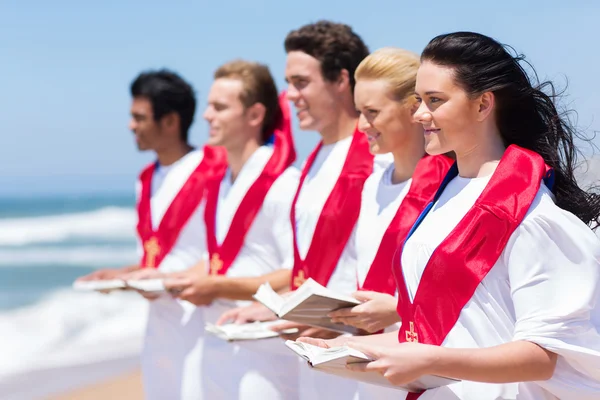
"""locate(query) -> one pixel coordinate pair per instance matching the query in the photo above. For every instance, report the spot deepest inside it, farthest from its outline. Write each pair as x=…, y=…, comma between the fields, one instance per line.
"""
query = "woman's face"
x=450, y=118
x=386, y=121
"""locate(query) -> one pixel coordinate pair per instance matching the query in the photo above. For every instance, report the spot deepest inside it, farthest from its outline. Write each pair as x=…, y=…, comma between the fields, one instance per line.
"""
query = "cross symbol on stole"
x=216, y=264
x=412, y=336
x=299, y=279
x=152, y=249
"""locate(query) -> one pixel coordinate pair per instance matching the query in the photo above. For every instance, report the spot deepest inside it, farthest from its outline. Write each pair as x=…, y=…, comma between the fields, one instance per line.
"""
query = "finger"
x=177, y=283
x=187, y=295
x=357, y=366
x=375, y=352
x=364, y=295
x=228, y=316
x=243, y=319
x=314, y=341
x=285, y=326
x=343, y=312
x=345, y=320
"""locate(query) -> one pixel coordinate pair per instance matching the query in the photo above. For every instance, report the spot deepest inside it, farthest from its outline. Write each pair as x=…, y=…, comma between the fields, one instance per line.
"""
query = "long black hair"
x=526, y=113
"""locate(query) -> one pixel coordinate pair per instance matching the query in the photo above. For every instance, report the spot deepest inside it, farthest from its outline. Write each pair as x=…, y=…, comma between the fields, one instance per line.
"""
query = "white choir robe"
x=261, y=369
x=544, y=289
x=380, y=202
x=317, y=186
x=172, y=350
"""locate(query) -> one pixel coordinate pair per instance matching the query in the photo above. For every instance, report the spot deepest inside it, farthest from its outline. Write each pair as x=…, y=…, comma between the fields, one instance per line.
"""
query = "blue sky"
x=65, y=67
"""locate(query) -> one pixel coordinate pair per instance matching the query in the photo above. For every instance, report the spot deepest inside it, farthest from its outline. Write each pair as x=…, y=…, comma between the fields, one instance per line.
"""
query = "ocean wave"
x=104, y=223
x=92, y=256
x=54, y=330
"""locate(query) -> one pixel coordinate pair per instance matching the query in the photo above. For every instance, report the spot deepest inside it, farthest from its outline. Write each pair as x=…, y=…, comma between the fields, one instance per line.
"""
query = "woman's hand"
x=400, y=364
x=377, y=312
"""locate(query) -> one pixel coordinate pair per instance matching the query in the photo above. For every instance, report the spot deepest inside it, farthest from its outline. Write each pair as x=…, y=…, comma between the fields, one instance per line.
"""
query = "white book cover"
x=143, y=285
x=249, y=331
x=333, y=361
x=309, y=305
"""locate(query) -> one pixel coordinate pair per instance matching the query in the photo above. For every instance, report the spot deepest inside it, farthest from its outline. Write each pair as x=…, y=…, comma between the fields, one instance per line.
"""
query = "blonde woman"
x=392, y=198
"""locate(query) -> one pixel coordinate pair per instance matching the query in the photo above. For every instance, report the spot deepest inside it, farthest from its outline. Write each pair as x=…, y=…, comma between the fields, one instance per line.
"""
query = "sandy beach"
x=126, y=387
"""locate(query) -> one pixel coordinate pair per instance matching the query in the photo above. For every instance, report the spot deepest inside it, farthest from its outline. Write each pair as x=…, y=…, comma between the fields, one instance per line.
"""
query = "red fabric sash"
x=463, y=259
x=426, y=179
x=158, y=243
x=222, y=256
x=338, y=216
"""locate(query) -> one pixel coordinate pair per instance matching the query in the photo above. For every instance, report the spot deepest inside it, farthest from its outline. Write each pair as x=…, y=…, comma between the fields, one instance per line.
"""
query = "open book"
x=144, y=285
x=309, y=305
x=334, y=360
x=249, y=331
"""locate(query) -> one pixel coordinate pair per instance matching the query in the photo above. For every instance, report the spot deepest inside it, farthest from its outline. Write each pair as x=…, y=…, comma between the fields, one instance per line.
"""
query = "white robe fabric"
x=261, y=369
x=172, y=349
x=379, y=205
x=317, y=186
x=543, y=289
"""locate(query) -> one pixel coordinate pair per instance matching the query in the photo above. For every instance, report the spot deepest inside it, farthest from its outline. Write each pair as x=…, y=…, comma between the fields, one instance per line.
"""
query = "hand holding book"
x=376, y=312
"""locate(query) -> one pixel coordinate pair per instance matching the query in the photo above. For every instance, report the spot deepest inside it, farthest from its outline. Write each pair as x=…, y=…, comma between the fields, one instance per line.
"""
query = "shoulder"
x=282, y=192
x=374, y=180
x=546, y=224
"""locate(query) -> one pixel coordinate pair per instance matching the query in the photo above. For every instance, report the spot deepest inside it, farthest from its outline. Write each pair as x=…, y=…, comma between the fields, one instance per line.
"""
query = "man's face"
x=314, y=98
x=147, y=131
x=225, y=113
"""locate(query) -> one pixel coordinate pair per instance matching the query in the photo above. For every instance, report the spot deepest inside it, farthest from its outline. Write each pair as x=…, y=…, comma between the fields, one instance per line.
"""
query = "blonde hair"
x=396, y=66
x=258, y=87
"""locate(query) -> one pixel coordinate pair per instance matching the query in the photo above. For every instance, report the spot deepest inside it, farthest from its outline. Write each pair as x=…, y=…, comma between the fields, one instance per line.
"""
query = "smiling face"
x=314, y=98
x=450, y=118
x=386, y=121
x=225, y=113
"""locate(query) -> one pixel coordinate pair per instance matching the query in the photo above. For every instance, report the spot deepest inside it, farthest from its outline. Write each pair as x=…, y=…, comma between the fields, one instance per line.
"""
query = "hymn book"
x=309, y=305
x=333, y=361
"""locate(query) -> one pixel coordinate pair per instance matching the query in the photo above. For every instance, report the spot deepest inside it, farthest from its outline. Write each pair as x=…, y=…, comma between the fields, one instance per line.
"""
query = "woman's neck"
x=480, y=159
x=408, y=155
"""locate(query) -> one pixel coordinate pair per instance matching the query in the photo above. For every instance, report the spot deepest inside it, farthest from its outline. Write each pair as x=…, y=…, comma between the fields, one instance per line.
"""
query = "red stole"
x=426, y=179
x=284, y=154
x=463, y=259
x=158, y=243
x=338, y=216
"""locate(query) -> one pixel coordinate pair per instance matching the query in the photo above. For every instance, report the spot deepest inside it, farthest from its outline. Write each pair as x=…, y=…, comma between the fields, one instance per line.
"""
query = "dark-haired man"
x=170, y=224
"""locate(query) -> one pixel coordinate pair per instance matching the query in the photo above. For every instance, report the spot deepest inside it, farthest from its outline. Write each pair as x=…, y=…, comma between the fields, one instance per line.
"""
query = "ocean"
x=46, y=243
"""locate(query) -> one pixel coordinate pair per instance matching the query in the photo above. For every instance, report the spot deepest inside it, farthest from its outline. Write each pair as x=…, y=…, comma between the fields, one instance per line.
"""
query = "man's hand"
x=377, y=312
x=243, y=315
x=198, y=289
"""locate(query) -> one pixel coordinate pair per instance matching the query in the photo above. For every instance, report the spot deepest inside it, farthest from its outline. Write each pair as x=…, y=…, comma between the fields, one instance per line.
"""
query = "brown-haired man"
x=248, y=230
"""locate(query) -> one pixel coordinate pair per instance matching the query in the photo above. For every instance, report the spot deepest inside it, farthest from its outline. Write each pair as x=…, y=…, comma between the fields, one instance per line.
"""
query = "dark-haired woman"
x=499, y=283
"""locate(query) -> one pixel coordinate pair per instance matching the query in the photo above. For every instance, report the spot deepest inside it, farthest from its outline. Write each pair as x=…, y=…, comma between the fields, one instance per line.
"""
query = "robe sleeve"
x=554, y=275
x=285, y=187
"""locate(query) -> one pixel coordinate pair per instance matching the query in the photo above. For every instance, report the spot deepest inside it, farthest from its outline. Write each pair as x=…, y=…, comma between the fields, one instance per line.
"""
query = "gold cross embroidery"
x=216, y=264
x=152, y=249
x=412, y=336
x=299, y=279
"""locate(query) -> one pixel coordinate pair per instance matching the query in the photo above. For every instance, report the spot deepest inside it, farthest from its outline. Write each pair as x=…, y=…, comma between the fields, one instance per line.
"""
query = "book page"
x=269, y=298
x=249, y=331
x=147, y=285
x=335, y=359
x=104, y=285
